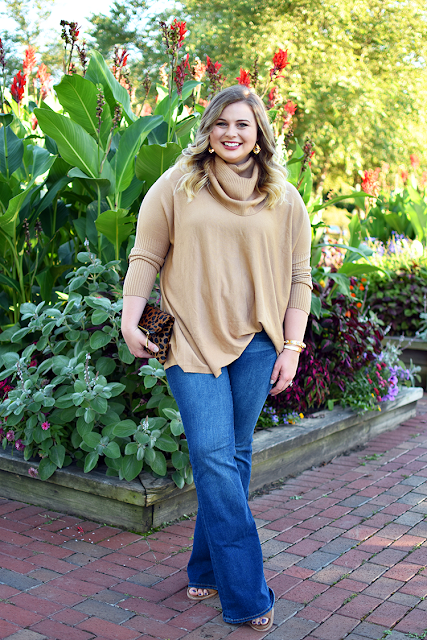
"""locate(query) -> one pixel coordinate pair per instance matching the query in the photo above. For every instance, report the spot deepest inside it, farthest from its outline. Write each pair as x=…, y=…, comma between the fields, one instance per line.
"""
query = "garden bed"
x=147, y=501
x=412, y=349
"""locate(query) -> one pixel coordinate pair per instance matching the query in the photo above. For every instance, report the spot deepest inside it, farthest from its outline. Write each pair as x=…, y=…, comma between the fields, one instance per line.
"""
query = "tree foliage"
x=358, y=70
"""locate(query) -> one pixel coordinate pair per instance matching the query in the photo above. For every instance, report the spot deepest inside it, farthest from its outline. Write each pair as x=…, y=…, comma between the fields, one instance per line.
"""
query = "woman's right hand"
x=136, y=341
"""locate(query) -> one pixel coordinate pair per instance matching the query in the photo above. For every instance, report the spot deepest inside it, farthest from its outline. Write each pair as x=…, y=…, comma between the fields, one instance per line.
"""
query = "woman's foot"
x=197, y=593
x=263, y=623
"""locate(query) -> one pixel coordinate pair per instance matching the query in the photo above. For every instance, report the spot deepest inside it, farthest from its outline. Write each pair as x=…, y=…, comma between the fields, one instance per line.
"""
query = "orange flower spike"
x=351, y=287
x=29, y=61
x=358, y=305
x=361, y=287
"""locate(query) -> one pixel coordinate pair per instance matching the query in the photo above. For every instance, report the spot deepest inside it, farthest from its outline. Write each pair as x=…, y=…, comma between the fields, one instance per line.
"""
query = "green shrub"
x=73, y=391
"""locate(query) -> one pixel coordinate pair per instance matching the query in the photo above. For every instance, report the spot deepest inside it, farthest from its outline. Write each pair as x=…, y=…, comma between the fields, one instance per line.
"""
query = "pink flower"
x=370, y=182
x=10, y=436
x=33, y=472
x=19, y=445
x=29, y=61
x=45, y=80
x=415, y=161
x=45, y=426
x=404, y=175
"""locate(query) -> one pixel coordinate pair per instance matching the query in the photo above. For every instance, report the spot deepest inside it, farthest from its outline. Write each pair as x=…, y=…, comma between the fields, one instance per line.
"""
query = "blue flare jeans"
x=219, y=416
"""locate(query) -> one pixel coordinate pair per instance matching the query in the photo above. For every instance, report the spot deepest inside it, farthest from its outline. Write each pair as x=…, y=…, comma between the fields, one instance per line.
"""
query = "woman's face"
x=235, y=133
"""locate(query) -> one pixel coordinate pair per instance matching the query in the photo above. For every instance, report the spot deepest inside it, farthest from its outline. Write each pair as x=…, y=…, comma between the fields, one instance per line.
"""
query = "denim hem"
x=195, y=585
x=253, y=617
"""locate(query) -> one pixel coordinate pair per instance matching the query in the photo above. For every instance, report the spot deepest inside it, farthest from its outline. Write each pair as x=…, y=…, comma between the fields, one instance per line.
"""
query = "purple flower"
x=10, y=436
x=19, y=445
x=33, y=472
x=45, y=426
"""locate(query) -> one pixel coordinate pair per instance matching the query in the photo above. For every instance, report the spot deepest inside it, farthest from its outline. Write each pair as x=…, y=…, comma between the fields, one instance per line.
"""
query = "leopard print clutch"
x=157, y=325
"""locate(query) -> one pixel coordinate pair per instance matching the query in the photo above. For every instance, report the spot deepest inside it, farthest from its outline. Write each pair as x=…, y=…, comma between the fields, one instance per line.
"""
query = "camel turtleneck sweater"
x=229, y=266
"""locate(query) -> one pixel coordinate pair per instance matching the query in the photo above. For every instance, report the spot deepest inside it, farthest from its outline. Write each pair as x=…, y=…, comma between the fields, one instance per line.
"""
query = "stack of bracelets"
x=294, y=345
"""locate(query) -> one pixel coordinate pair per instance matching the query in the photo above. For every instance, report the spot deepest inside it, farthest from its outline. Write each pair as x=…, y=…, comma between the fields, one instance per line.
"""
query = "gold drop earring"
x=211, y=150
x=256, y=149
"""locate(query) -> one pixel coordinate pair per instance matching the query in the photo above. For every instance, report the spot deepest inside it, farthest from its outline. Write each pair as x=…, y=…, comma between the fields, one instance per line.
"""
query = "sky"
x=74, y=11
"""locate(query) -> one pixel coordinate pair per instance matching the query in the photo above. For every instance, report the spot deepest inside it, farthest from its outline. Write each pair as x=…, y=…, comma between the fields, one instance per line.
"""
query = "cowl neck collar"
x=235, y=192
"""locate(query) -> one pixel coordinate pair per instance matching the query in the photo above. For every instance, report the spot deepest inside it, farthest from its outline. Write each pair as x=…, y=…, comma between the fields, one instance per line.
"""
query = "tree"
x=357, y=72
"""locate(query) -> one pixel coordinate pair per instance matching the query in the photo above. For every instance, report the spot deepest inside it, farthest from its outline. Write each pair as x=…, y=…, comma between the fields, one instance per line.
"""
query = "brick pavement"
x=345, y=548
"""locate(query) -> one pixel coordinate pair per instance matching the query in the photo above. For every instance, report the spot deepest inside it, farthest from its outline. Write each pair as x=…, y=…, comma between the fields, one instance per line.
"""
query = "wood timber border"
x=148, y=502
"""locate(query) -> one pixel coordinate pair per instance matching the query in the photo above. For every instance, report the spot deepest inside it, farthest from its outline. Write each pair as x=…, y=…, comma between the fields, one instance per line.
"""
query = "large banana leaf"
x=155, y=159
x=116, y=226
x=74, y=143
x=130, y=143
x=103, y=184
x=11, y=151
x=98, y=73
x=79, y=97
x=42, y=161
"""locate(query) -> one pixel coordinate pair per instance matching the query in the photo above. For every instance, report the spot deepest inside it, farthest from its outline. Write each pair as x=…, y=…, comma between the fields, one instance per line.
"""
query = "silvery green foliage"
x=77, y=393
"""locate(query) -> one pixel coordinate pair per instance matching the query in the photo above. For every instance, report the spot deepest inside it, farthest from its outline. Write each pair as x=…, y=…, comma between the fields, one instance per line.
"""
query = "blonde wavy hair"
x=195, y=160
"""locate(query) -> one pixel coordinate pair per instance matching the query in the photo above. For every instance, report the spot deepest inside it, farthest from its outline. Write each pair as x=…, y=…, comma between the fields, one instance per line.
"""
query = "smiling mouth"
x=231, y=145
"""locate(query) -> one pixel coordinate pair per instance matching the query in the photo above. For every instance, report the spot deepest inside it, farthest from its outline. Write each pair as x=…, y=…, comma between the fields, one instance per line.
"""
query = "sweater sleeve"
x=152, y=239
x=300, y=296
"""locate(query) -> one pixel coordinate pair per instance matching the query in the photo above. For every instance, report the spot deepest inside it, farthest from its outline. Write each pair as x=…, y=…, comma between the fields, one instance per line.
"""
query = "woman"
x=232, y=240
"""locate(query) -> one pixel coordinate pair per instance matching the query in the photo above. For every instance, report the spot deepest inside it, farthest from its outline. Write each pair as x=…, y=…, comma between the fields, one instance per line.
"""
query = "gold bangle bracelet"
x=292, y=347
x=298, y=343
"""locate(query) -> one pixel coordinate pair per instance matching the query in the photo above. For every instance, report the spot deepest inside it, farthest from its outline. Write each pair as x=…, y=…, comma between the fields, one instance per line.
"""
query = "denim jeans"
x=219, y=416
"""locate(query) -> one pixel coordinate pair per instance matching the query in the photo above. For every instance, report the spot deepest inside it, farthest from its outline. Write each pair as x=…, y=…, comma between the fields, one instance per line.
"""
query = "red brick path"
x=345, y=547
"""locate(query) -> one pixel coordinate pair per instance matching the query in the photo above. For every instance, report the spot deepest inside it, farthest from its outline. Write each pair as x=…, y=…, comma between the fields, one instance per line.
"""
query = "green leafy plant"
x=72, y=390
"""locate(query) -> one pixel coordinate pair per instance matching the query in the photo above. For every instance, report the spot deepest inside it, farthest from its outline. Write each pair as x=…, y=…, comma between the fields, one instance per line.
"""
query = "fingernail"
x=155, y=349
x=271, y=381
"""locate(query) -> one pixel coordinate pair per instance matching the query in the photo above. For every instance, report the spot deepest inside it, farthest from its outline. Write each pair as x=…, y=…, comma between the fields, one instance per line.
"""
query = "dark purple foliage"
x=339, y=344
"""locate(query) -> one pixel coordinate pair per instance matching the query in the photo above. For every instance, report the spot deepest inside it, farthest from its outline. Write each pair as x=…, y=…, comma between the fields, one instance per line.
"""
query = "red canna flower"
x=181, y=73
x=370, y=182
x=244, y=78
x=29, y=61
x=415, y=161
x=34, y=122
x=17, y=88
x=290, y=107
x=404, y=175
x=45, y=79
x=273, y=97
x=212, y=67
x=423, y=179
x=280, y=62
x=178, y=32
x=216, y=79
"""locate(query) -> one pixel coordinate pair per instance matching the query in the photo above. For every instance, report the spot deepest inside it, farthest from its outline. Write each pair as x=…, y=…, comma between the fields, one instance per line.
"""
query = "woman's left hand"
x=284, y=371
